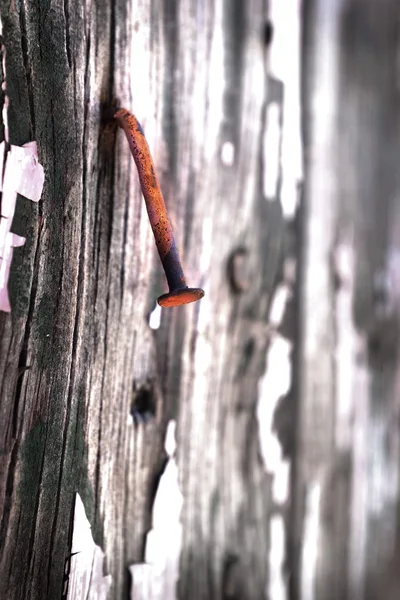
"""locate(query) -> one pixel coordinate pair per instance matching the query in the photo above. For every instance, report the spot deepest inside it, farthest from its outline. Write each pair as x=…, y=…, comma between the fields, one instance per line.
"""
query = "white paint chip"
x=272, y=386
x=310, y=545
x=282, y=157
x=228, y=154
x=276, y=583
x=156, y=578
x=278, y=305
x=155, y=318
x=170, y=443
x=86, y=578
x=24, y=175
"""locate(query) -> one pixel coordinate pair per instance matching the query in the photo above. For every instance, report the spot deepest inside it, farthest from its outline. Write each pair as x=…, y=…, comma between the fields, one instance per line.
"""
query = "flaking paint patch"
x=157, y=577
x=21, y=174
x=86, y=578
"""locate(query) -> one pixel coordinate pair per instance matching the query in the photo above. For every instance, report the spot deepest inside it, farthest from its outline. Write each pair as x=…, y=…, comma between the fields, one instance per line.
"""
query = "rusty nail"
x=179, y=293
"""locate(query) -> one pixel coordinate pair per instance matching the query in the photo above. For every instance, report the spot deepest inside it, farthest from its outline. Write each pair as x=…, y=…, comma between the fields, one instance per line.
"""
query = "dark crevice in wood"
x=123, y=250
x=97, y=241
x=98, y=456
x=17, y=410
x=268, y=33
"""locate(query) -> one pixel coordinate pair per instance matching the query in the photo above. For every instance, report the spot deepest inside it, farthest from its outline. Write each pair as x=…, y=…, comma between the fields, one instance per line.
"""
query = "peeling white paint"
x=155, y=317
x=86, y=578
x=310, y=541
x=24, y=175
x=156, y=578
x=278, y=305
x=228, y=154
x=284, y=64
x=282, y=158
x=277, y=585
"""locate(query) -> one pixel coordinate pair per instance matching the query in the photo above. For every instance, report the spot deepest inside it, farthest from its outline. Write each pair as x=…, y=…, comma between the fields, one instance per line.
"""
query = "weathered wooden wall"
x=76, y=353
x=345, y=526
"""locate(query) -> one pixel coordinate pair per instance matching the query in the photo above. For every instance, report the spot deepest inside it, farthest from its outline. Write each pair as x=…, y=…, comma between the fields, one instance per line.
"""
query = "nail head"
x=179, y=297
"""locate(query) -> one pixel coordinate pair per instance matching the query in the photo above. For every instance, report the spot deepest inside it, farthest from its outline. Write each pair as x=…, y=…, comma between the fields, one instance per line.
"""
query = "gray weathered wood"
x=76, y=352
x=347, y=461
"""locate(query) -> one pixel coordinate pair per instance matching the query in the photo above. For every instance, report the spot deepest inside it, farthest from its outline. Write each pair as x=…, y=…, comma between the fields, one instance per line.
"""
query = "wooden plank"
x=226, y=491
x=76, y=352
x=348, y=356
x=76, y=343
x=370, y=84
x=314, y=460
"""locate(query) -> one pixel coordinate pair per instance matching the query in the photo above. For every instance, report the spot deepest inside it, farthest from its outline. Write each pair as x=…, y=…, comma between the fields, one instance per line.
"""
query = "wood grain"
x=77, y=352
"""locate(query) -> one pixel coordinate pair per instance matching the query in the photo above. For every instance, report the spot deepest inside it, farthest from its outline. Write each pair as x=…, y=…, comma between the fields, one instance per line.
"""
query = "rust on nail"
x=179, y=293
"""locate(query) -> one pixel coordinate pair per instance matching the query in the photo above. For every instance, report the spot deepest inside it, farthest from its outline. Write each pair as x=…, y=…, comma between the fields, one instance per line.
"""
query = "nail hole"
x=238, y=270
x=231, y=578
x=143, y=407
x=268, y=33
x=246, y=358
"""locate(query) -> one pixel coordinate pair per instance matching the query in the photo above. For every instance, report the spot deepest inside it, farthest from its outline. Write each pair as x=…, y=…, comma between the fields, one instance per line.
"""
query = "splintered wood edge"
x=86, y=576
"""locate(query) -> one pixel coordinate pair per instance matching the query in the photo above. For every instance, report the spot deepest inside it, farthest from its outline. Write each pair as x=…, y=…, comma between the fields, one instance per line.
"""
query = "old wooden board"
x=77, y=353
x=345, y=527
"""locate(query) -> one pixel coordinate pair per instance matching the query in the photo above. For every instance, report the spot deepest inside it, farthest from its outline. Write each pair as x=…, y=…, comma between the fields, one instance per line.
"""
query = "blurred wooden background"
x=347, y=453
x=285, y=392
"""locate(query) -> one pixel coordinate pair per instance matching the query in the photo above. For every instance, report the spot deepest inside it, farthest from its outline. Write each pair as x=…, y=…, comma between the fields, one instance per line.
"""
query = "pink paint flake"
x=22, y=175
